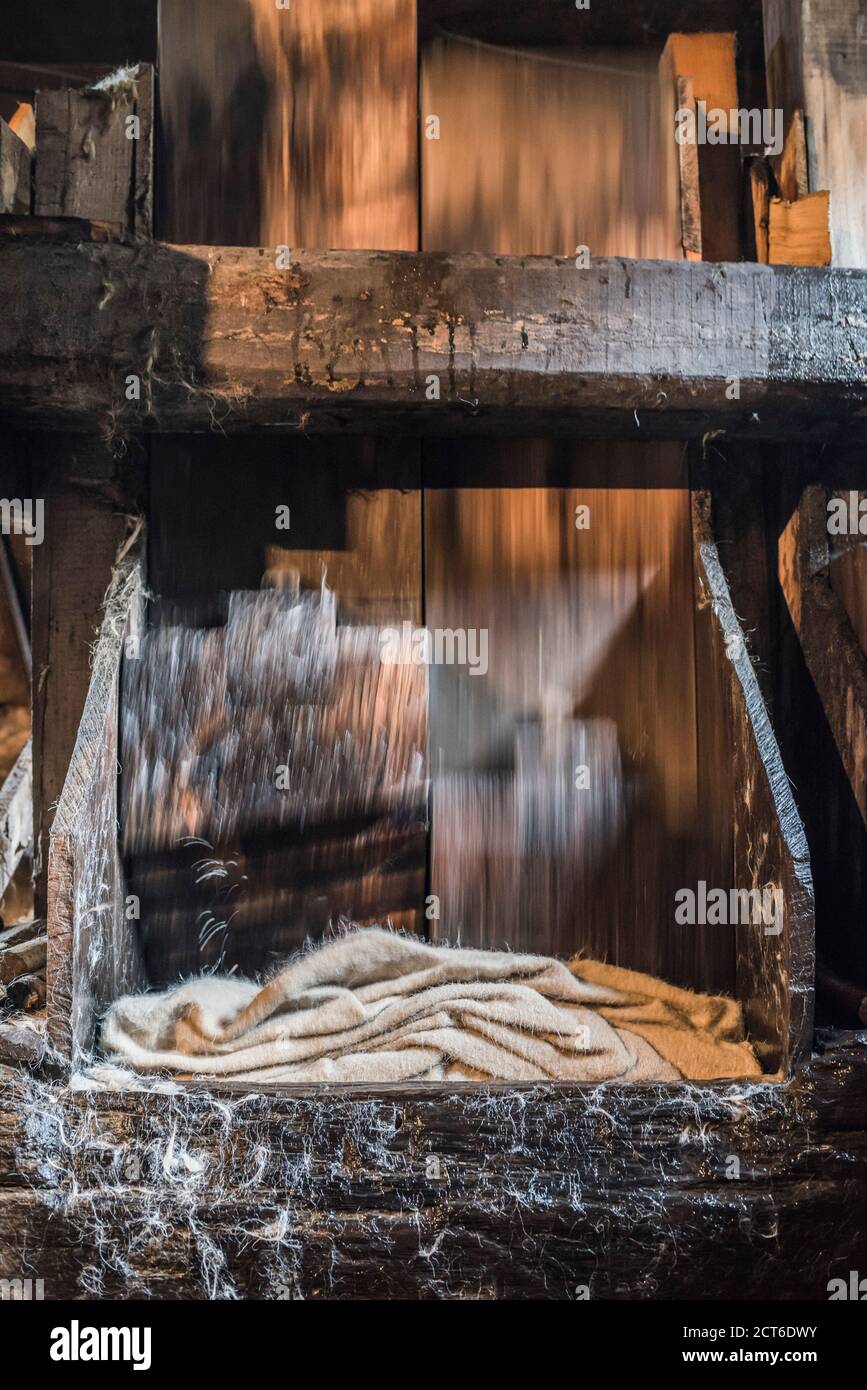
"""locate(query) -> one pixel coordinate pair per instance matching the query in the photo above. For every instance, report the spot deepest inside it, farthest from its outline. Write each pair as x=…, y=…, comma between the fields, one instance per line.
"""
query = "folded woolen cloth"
x=374, y=1005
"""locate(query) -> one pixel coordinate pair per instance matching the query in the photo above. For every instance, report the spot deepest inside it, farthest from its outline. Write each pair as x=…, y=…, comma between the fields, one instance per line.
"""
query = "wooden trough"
x=98, y=943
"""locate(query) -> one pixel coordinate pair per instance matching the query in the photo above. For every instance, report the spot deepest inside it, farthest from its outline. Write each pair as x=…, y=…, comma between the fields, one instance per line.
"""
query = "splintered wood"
x=538, y=152
x=291, y=126
x=278, y=764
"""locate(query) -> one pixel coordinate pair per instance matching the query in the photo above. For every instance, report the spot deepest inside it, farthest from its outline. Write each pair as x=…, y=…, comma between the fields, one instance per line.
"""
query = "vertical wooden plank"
x=539, y=151
x=86, y=495
x=85, y=161
x=707, y=62
x=294, y=126
x=93, y=951
x=775, y=958
x=815, y=62
x=15, y=166
x=143, y=156
x=760, y=207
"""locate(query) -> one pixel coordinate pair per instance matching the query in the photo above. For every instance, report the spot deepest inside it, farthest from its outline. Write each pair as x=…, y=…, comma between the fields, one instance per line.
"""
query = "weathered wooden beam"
x=96, y=152
x=441, y=1193
x=125, y=339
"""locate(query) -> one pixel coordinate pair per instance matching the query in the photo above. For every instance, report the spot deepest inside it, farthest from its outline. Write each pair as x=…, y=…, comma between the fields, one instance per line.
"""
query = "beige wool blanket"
x=374, y=1005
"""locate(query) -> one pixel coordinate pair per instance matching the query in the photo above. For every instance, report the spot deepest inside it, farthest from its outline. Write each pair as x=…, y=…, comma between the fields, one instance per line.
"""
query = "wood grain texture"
x=15, y=168
x=534, y=1191
x=775, y=967
x=93, y=955
x=348, y=340
x=85, y=162
x=705, y=64
x=848, y=575
x=293, y=127
x=816, y=62
x=86, y=494
x=799, y=233
x=790, y=167
x=541, y=151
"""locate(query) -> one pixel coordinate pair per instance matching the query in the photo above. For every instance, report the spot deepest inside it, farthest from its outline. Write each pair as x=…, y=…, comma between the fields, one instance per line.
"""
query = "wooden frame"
x=93, y=957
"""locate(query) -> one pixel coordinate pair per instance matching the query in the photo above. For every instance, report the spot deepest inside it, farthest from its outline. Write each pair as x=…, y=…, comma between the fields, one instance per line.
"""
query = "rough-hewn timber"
x=197, y=338
x=464, y=1192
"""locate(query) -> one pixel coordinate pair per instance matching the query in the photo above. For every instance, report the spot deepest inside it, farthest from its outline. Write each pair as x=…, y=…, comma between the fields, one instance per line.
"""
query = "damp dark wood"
x=426, y=1193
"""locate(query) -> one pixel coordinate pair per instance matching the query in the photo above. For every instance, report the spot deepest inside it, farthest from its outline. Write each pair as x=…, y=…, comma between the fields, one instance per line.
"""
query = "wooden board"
x=93, y=955
x=790, y=167
x=799, y=233
x=93, y=164
x=86, y=494
x=848, y=575
x=293, y=127
x=760, y=207
x=815, y=62
x=705, y=65
x=15, y=167
x=775, y=958
x=85, y=163
x=541, y=151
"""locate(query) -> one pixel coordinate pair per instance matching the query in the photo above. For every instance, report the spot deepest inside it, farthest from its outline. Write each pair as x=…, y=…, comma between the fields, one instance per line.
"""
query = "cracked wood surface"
x=221, y=339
